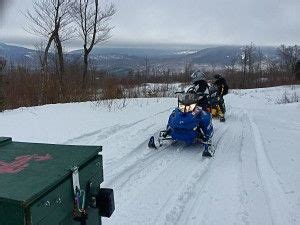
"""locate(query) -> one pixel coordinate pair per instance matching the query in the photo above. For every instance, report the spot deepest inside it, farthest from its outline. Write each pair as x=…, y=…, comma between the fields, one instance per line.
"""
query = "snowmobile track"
x=145, y=160
x=107, y=132
x=159, y=163
x=188, y=197
x=270, y=180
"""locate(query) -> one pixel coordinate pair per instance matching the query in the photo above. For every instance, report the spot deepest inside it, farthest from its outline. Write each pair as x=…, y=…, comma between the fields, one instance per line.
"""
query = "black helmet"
x=218, y=77
x=197, y=76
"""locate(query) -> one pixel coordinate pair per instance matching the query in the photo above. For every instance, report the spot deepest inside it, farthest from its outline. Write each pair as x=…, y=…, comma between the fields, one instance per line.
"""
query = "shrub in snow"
x=288, y=98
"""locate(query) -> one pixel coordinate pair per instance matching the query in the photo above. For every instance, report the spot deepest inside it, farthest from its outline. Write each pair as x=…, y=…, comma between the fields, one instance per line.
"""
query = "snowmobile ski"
x=151, y=143
x=222, y=119
x=208, y=151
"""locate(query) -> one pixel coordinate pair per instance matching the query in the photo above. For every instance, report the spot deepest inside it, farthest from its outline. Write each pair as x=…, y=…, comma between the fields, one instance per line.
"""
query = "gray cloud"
x=3, y=5
x=264, y=22
x=218, y=21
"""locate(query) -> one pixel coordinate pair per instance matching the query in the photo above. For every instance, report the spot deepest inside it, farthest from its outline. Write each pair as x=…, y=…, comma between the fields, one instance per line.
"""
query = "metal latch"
x=75, y=179
x=79, y=209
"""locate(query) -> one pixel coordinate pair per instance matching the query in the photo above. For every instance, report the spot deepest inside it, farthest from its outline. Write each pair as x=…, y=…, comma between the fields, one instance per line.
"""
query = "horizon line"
x=140, y=45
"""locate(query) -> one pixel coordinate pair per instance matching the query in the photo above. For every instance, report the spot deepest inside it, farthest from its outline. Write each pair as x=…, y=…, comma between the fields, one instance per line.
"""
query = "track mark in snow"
x=101, y=133
x=279, y=207
x=217, y=200
x=107, y=132
x=253, y=197
x=192, y=187
x=175, y=167
x=188, y=192
x=125, y=169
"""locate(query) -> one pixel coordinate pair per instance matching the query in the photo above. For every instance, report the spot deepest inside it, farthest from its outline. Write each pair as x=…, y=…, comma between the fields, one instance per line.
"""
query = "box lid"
x=29, y=170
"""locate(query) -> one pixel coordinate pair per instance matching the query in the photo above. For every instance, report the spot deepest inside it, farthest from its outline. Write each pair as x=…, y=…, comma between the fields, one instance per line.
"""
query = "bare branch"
x=92, y=25
x=47, y=15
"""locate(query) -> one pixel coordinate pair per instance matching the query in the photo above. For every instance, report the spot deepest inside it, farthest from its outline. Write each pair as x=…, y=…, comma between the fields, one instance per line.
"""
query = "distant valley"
x=122, y=60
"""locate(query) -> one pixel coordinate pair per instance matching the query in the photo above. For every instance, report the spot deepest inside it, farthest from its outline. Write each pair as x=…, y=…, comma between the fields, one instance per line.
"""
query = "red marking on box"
x=21, y=162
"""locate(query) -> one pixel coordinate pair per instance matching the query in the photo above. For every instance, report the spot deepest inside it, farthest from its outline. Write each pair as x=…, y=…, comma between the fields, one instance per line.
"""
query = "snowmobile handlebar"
x=179, y=92
x=190, y=90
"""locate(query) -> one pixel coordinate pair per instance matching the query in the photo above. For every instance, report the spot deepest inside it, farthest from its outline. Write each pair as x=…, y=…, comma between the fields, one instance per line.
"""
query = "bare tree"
x=50, y=19
x=244, y=60
x=2, y=65
x=259, y=61
x=251, y=52
x=92, y=26
x=42, y=82
x=147, y=66
x=248, y=58
x=232, y=63
x=297, y=70
x=188, y=67
x=289, y=55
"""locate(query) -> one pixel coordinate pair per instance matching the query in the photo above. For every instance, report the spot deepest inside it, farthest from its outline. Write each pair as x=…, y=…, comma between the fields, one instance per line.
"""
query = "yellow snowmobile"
x=214, y=102
x=216, y=111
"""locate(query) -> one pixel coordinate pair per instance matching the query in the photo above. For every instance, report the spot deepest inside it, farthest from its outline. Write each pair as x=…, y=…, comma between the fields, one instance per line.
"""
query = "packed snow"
x=254, y=177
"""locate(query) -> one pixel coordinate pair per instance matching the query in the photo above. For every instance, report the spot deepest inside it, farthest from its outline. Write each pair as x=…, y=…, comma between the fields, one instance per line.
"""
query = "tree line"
x=60, y=81
x=254, y=69
x=22, y=87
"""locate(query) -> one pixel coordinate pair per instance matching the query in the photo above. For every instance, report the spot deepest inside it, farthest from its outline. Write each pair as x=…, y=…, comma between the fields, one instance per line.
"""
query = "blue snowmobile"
x=188, y=123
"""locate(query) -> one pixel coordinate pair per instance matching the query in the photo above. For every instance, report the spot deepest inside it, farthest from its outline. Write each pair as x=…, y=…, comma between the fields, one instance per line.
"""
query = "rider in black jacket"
x=222, y=89
x=201, y=87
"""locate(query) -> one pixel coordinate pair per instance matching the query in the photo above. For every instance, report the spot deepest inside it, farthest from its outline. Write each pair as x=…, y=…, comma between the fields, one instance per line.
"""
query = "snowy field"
x=254, y=177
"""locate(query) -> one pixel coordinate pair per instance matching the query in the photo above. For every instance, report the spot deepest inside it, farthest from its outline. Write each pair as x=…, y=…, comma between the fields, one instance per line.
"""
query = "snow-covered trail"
x=248, y=181
x=175, y=185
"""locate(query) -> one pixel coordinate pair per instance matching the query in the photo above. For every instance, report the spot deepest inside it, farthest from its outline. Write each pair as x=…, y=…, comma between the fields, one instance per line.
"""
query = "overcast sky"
x=140, y=22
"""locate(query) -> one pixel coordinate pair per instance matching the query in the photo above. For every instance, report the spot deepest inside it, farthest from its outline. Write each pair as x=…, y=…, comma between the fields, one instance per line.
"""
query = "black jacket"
x=201, y=87
x=222, y=86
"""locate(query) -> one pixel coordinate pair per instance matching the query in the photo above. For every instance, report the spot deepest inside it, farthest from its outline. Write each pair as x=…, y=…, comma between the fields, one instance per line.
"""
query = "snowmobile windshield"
x=187, y=102
x=187, y=108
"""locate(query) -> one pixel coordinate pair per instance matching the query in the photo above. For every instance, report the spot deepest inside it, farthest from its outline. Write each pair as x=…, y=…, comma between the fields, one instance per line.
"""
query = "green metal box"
x=36, y=184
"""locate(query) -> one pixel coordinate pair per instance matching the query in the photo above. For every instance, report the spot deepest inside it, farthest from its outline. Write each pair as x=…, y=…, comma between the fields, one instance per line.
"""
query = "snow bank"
x=60, y=122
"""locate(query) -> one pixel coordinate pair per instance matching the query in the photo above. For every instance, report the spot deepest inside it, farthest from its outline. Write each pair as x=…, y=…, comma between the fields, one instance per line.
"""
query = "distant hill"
x=139, y=52
x=126, y=59
x=223, y=55
x=18, y=55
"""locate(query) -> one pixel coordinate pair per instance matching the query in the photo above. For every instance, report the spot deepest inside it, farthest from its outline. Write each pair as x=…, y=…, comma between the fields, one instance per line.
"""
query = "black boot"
x=208, y=150
x=151, y=143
